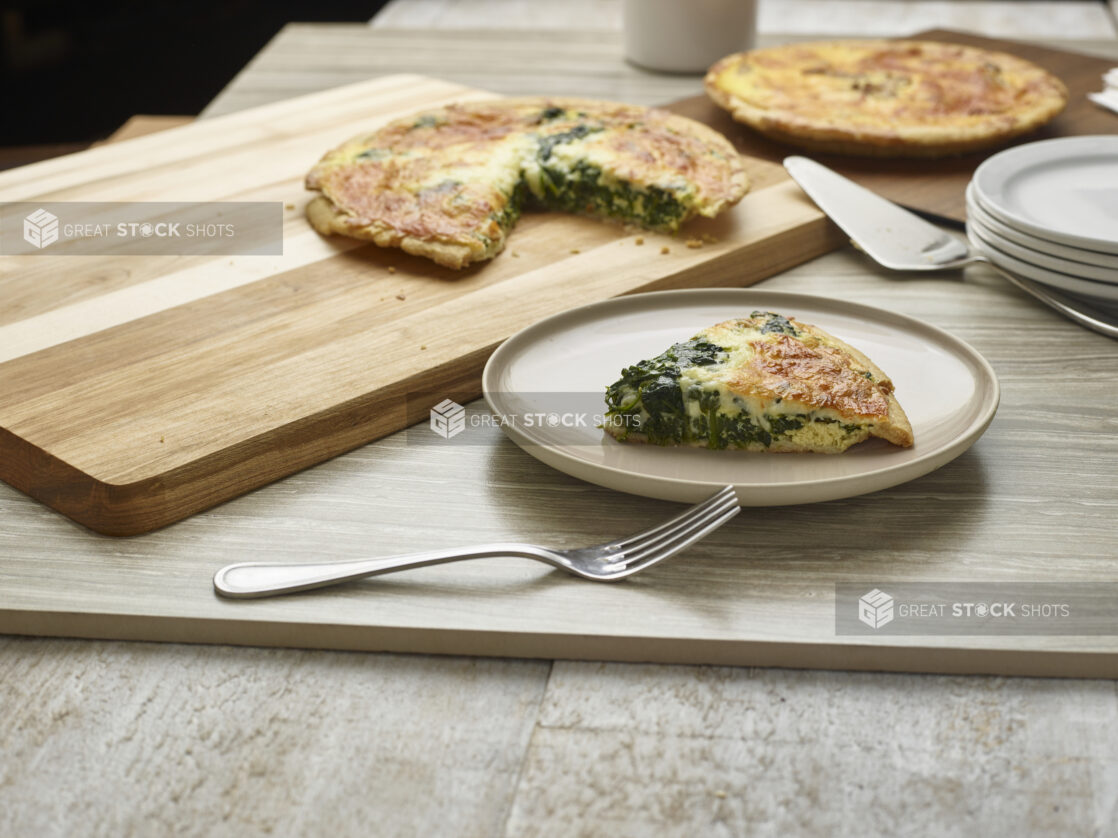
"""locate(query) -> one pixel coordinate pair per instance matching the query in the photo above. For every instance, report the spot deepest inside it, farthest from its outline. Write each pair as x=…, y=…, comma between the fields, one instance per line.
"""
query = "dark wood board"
x=937, y=187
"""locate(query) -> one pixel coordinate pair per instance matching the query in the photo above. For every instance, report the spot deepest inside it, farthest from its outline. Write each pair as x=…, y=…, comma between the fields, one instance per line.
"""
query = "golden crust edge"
x=852, y=144
x=327, y=219
x=897, y=429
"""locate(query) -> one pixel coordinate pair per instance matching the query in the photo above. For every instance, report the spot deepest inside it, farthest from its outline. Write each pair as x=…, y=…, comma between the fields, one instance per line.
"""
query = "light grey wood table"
x=115, y=738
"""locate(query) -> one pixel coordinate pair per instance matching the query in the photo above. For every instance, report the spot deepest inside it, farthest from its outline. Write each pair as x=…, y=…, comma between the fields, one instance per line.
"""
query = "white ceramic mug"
x=687, y=36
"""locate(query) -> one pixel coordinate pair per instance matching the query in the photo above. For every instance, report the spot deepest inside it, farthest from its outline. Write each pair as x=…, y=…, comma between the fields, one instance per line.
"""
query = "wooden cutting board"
x=938, y=188
x=138, y=390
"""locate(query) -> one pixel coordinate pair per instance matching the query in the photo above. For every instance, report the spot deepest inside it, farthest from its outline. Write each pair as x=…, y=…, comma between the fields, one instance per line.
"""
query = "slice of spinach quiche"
x=760, y=383
x=449, y=184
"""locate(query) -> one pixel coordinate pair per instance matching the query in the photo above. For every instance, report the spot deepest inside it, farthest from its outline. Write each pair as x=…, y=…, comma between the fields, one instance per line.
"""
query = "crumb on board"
x=665, y=250
x=709, y=239
x=423, y=346
x=694, y=244
x=400, y=297
x=575, y=250
x=391, y=269
x=162, y=438
x=515, y=255
x=289, y=206
x=720, y=794
x=639, y=241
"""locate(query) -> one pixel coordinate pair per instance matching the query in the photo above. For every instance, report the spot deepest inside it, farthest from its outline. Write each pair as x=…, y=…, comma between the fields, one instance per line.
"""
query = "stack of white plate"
x=1048, y=211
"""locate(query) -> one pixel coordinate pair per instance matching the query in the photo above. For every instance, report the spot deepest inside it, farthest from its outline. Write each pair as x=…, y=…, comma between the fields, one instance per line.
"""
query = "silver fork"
x=603, y=562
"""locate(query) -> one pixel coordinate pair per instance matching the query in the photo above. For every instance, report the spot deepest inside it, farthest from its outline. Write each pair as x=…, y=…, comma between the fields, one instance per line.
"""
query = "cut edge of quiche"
x=450, y=183
x=761, y=383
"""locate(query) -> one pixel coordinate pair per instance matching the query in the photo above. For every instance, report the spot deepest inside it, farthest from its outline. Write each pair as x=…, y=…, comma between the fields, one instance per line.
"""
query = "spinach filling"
x=649, y=399
x=582, y=189
x=507, y=217
x=548, y=143
x=776, y=324
x=722, y=430
x=548, y=114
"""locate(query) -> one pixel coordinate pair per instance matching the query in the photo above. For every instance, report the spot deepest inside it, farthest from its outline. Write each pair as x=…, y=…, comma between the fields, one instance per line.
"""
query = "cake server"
x=902, y=241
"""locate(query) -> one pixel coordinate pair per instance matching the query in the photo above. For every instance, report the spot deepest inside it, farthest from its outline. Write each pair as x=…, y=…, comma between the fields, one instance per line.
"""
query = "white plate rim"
x=994, y=168
x=777, y=494
x=1063, y=251
x=1094, y=273
x=1055, y=279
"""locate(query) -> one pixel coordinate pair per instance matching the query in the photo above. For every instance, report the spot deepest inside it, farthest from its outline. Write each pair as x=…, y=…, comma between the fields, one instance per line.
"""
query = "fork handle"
x=260, y=579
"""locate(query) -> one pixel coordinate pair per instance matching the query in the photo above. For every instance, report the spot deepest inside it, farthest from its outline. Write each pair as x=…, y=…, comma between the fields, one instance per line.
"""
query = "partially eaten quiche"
x=760, y=383
x=449, y=184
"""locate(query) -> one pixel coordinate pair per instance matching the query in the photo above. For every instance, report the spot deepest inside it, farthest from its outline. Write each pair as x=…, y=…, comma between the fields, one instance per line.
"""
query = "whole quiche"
x=886, y=98
x=449, y=184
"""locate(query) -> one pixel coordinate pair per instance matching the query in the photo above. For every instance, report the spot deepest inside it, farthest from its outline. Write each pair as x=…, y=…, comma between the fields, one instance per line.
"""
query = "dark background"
x=73, y=72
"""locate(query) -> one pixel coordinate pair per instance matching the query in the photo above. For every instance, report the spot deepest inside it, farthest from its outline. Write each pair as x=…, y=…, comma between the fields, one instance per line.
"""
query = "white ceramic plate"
x=1055, y=279
x=1064, y=190
x=948, y=390
x=1062, y=251
x=1042, y=260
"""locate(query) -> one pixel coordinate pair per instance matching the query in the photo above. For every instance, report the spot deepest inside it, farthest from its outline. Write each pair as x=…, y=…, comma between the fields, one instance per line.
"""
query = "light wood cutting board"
x=138, y=390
